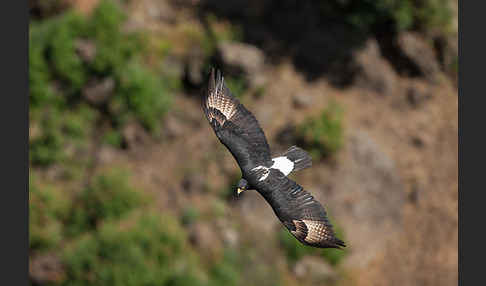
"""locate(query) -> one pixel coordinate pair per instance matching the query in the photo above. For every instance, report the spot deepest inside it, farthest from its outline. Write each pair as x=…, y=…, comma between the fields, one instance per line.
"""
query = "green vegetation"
x=70, y=50
x=113, y=138
x=190, y=215
x=108, y=197
x=148, y=104
x=372, y=15
x=226, y=272
x=48, y=206
x=143, y=249
x=109, y=234
x=323, y=135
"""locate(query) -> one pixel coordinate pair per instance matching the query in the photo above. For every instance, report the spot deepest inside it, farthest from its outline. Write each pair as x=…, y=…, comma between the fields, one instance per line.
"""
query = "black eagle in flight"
x=240, y=132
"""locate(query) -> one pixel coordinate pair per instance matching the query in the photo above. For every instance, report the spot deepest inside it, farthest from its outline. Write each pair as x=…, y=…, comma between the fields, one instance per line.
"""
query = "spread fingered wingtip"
x=216, y=80
x=339, y=243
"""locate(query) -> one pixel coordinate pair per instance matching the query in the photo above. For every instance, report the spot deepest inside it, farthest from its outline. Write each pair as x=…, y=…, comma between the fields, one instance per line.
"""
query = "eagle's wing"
x=297, y=209
x=234, y=125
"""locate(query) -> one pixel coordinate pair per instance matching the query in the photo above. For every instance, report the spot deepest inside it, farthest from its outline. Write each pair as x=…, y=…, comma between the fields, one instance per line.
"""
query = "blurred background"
x=129, y=185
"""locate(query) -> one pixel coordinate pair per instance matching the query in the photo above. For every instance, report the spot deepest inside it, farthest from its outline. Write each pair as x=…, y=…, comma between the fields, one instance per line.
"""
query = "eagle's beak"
x=239, y=191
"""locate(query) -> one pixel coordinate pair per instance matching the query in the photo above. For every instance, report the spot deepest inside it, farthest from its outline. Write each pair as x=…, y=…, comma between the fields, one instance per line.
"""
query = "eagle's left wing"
x=234, y=125
x=297, y=209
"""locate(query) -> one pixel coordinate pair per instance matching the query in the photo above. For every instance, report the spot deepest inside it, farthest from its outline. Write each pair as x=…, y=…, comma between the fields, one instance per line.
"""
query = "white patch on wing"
x=283, y=164
x=265, y=175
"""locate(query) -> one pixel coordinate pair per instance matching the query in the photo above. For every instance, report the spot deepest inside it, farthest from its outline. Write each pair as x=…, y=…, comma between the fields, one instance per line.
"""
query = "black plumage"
x=240, y=132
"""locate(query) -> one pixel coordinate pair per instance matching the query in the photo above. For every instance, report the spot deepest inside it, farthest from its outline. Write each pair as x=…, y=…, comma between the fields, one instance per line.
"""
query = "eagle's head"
x=241, y=187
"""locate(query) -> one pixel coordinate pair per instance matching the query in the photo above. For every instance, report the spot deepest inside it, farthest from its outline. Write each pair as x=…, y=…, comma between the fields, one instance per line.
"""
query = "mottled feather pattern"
x=218, y=101
x=318, y=231
x=234, y=125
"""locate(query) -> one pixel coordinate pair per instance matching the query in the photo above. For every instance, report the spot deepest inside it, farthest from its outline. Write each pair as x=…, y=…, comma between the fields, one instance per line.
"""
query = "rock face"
x=373, y=71
x=244, y=59
x=367, y=198
x=420, y=53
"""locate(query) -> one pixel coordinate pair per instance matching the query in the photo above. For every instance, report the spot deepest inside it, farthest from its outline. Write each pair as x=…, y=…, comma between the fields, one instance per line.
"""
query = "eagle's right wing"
x=297, y=209
x=234, y=125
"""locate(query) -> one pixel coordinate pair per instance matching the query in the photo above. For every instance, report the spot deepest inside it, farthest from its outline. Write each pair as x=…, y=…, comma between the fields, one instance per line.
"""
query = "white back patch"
x=283, y=164
x=265, y=175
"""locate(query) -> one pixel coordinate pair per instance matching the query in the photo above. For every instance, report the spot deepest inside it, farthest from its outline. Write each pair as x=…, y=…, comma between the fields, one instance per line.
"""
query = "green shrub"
x=143, y=249
x=113, y=138
x=114, y=49
x=368, y=15
x=433, y=15
x=190, y=215
x=323, y=135
x=57, y=129
x=108, y=197
x=40, y=93
x=375, y=15
x=48, y=207
x=47, y=148
x=144, y=94
x=67, y=65
x=227, y=271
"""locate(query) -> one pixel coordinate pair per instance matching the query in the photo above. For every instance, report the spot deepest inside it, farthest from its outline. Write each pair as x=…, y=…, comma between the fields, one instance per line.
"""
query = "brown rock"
x=98, y=92
x=205, y=238
x=134, y=134
x=245, y=59
x=86, y=49
x=45, y=269
x=84, y=6
x=374, y=71
x=194, y=66
x=417, y=95
x=302, y=100
x=420, y=53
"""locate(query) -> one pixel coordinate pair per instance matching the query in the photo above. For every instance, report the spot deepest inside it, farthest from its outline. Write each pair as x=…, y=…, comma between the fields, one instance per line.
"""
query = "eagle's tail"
x=299, y=157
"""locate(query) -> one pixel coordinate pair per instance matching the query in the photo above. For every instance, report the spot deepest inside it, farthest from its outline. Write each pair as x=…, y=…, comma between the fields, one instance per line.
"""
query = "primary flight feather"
x=240, y=132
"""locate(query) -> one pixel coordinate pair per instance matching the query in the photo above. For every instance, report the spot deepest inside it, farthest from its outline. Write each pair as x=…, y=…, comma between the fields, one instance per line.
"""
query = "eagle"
x=238, y=130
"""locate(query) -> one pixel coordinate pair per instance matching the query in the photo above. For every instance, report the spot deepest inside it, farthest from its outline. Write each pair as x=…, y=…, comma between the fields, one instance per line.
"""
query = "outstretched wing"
x=297, y=209
x=234, y=125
